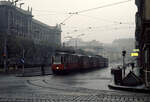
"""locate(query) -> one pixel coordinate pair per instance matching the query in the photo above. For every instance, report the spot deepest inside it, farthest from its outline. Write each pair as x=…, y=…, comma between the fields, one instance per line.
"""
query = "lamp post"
x=124, y=54
x=22, y=60
x=5, y=54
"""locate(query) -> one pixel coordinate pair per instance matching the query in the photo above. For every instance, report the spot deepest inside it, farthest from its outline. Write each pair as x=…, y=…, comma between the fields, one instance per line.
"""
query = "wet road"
x=97, y=79
x=85, y=87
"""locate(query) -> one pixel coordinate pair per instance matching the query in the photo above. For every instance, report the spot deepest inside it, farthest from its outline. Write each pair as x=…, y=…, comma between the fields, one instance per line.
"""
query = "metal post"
x=124, y=66
x=123, y=54
x=5, y=54
x=23, y=60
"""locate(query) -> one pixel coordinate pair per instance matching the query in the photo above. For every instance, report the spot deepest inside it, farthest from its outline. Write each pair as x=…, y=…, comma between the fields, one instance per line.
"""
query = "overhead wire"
x=117, y=22
x=49, y=11
x=79, y=12
x=66, y=19
x=100, y=28
x=108, y=5
x=82, y=11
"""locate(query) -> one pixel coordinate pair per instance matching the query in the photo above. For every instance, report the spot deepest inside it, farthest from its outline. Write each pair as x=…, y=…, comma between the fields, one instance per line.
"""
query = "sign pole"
x=124, y=54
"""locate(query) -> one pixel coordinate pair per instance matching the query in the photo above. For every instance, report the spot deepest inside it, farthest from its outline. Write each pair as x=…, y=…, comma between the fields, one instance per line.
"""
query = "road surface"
x=79, y=87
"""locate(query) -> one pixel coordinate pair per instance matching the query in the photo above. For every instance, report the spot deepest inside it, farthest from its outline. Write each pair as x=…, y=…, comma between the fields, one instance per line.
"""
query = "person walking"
x=132, y=66
x=42, y=69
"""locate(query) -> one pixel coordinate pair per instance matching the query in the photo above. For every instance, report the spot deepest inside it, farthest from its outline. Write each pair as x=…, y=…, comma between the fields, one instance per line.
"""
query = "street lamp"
x=124, y=54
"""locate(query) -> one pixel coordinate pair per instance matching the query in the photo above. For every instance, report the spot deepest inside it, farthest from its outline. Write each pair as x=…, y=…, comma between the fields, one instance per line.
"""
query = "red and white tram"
x=67, y=62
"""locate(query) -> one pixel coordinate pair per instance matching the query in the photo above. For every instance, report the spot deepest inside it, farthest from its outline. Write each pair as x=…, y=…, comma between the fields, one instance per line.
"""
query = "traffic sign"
x=136, y=50
x=134, y=54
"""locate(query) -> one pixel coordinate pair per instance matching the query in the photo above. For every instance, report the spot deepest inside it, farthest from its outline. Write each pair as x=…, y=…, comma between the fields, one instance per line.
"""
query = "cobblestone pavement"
x=40, y=89
x=76, y=98
x=64, y=89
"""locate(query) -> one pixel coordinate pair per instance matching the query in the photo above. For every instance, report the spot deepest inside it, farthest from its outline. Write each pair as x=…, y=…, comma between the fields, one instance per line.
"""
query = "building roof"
x=8, y=3
x=27, y=12
x=44, y=25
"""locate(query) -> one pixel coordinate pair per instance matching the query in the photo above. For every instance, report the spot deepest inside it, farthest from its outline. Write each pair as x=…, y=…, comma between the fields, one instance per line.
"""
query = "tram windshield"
x=57, y=60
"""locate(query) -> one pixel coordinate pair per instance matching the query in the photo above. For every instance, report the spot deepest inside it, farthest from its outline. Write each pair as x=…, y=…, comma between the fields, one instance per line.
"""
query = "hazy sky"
x=104, y=22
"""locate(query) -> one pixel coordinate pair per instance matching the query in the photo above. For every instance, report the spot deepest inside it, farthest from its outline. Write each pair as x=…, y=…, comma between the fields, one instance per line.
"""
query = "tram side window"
x=71, y=59
x=62, y=59
x=68, y=60
x=75, y=59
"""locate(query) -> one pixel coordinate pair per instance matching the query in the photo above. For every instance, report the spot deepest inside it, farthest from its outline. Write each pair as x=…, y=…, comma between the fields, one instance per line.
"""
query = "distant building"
x=143, y=38
x=114, y=50
x=91, y=46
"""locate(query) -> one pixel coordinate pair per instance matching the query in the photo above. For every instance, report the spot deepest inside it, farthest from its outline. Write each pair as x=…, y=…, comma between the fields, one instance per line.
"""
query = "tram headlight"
x=57, y=67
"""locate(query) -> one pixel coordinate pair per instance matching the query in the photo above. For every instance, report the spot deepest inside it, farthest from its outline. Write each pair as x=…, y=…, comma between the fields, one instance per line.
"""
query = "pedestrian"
x=132, y=66
x=42, y=69
x=119, y=67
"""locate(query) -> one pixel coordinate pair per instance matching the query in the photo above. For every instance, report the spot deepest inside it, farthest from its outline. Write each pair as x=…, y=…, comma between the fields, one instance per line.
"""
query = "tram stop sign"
x=22, y=60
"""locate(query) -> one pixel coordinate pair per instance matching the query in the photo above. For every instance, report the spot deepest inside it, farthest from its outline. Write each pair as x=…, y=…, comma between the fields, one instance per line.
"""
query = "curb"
x=21, y=75
x=131, y=89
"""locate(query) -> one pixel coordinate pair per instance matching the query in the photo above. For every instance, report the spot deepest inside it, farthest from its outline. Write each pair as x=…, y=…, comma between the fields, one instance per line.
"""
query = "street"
x=79, y=87
x=39, y=40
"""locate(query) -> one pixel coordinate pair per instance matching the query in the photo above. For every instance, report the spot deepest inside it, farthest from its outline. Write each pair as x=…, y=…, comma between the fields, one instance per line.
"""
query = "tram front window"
x=57, y=60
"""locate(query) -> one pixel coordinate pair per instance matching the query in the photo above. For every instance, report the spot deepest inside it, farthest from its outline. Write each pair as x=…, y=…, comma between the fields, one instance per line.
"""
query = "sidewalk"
x=140, y=89
x=28, y=72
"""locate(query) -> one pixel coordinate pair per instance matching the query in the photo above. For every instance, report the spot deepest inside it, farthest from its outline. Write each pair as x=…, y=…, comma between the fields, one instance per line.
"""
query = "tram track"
x=66, y=89
x=55, y=88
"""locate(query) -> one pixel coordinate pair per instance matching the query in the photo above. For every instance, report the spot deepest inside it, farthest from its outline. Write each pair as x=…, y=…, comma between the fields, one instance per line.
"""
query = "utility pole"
x=5, y=44
x=22, y=60
x=5, y=53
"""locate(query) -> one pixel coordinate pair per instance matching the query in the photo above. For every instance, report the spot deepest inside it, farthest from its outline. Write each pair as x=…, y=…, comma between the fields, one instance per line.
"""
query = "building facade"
x=19, y=25
x=16, y=21
x=142, y=36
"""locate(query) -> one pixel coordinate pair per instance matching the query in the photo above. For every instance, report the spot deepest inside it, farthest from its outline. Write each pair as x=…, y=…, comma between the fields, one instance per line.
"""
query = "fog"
x=104, y=24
